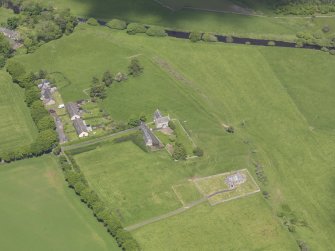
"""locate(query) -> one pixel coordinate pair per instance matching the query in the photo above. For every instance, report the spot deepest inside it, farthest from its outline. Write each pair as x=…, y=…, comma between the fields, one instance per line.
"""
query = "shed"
x=80, y=127
x=149, y=138
x=73, y=110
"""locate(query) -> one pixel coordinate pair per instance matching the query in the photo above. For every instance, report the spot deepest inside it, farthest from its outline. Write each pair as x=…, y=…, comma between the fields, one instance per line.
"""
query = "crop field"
x=38, y=212
x=16, y=125
x=280, y=102
x=151, y=12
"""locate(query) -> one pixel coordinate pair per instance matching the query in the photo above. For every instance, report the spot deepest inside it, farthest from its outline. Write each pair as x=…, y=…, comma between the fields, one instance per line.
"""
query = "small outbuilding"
x=160, y=120
x=73, y=110
x=80, y=127
x=235, y=179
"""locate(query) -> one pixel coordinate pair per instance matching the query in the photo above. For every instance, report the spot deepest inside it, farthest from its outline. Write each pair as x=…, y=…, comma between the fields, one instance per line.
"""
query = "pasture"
x=151, y=12
x=38, y=212
x=16, y=126
x=280, y=102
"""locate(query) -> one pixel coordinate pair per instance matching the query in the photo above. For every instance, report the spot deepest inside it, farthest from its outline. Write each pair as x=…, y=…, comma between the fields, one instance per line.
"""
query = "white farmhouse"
x=160, y=121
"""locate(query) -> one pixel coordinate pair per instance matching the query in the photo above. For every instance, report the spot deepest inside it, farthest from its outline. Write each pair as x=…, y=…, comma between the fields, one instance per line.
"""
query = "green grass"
x=150, y=12
x=210, y=185
x=4, y=14
x=279, y=93
x=16, y=126
x=228, y=226
x=187, y=192
x=136, y=183
x=38, y=212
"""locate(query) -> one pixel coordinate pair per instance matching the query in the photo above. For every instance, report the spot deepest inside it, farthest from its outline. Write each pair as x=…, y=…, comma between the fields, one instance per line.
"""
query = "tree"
x=2, y=61
x=98, y=90
x=79, y=187
x=156, y=31
x=45, y=123
x=47, y=31
x=209, y=37
x=134, y=28
x=108, y=78
x=172, y=125
x=195, y=36
x=135, y=69
x=198, y=152
x=32, y=94
x=16, y=70
x=92, y=21
x=13, y=23
x=5, y=48
x=117, y=24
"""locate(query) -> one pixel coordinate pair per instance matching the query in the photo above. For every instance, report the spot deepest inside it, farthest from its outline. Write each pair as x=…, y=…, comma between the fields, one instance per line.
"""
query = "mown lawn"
x=16, y=126
x=38, y=212
x=279, y=101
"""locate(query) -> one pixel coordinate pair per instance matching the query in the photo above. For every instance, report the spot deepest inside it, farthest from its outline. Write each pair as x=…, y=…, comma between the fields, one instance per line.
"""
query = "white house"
x=160, y=121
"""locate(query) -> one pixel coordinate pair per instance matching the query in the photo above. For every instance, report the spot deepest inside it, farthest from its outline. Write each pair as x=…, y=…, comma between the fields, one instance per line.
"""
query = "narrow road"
x=167, y=215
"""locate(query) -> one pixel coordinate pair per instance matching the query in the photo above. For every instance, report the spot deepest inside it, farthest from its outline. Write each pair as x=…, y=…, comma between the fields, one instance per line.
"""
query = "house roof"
x=72, y=109
x=148, y=135
x=157, y=114
x=79, y=126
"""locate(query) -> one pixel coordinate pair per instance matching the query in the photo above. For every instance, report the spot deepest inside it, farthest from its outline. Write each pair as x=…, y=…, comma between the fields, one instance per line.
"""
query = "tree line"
x=46, y=138
x=76, y=180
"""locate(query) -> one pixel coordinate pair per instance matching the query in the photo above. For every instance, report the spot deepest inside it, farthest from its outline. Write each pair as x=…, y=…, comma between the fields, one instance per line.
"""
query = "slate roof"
x=79, y=126
x=148, y=135
x=158, y=117
x=72, y=109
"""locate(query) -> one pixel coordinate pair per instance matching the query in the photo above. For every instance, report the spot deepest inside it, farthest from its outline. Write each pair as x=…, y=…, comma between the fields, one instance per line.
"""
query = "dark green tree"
x=135, y=69
x=108, y=78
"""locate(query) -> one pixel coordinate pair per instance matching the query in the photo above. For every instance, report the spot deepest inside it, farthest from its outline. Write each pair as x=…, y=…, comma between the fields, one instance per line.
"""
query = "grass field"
x=38, y=212
x=216, y=183
x=4, y=14
x=279, y=101
x=150, y=12
x=16, y=125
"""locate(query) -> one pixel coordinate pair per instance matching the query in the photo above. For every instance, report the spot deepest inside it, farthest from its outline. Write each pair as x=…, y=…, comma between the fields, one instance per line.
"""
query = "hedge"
x=195, y=36
x=209, y=37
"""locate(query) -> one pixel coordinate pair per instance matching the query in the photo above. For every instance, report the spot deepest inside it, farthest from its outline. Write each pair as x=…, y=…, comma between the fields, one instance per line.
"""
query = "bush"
x=172, y=125
x=117, y=24
x=326, y=28
x=134, y=28
x=92, y=21
x=247, y=43
x=198, y=152
x=135, y=69
x=271, y=43
x=229, y=39
x=324, y=49
x=195, y=36
x=45, y=123
x=230, y=129
x=155, y=31
x=209, y=37
x=332, y=52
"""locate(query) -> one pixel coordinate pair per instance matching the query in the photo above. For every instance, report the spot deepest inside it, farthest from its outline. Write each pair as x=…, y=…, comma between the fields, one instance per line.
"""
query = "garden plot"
x=227, y=186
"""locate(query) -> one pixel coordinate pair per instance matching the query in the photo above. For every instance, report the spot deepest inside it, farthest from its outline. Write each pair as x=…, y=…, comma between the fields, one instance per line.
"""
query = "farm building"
x=80, y=127
x=73, y=110
x=160, y=120
x=235, y=179
x=149, y=138
x=46, y=92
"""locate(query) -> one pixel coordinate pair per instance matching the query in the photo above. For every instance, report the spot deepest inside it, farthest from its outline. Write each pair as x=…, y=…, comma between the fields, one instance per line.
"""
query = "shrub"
x=134, y=28
x=247, y=43
x=326, y=28
x=46, y=123
x=172, y=125
x=271, y=43
x=156, y=31
x=16, y=70
x=195, y=36
x=229, y=39
x=92, y=21
x=209, y=37
x=2, y=61
x=135, y=69
x=302, y=245
x=117, y=24
x=230, y=129
x=79, y=187
x=198, y=152
x=332, y=52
